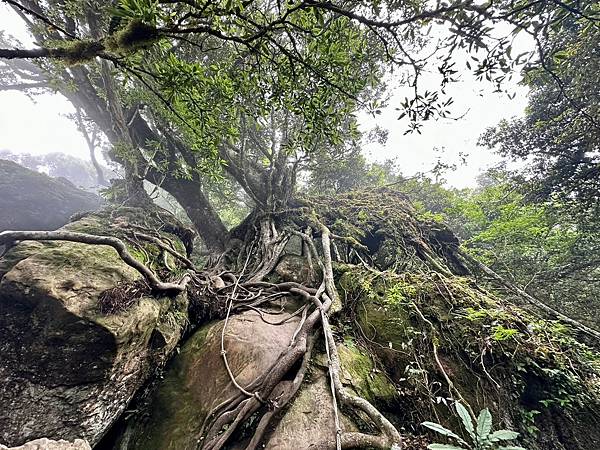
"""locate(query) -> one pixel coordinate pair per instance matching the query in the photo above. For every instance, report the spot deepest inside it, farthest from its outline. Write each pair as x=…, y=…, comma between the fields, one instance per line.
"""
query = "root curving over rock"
x=341, y=322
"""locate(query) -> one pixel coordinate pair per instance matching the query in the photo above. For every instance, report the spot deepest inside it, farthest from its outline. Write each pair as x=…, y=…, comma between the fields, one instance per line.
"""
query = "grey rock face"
x=67, y=369
x=49, y=444
x=34, y=201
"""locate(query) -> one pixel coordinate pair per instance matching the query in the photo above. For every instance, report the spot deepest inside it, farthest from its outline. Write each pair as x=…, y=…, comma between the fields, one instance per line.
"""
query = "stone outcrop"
x=33, y=201
x=69, y=363
x=49, y=444
x=196, y=381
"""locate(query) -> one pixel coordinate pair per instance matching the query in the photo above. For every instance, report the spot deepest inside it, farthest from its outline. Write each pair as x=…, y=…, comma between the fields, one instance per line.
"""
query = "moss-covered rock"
x=363, y=377
x=69, y=369
x=442, y=339
x=196, y=380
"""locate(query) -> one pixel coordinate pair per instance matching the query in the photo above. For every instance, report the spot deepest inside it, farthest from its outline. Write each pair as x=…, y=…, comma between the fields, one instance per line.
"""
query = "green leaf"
x=503, y=435
x=444, y=447
x=440, y=429
x=466, y=418
x=484, y=424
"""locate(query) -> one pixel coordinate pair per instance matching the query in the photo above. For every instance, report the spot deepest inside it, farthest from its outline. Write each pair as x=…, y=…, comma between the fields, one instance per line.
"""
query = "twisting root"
x=283, y=399
x=223, y=351
x=451, y=387
x=156, y=241
x=271, y=392
x=271, y=380
x=10, y=237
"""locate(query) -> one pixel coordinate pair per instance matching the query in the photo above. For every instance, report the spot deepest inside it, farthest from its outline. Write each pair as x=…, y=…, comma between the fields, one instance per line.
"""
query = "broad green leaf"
x=440, y=429
x=503, y=435
x=484, y=424
x=444, y=447
x=466, y=418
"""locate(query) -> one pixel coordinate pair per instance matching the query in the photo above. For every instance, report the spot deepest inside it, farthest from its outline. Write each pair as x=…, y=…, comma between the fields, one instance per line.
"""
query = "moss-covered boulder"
x=197, y=379
x=34, y=201
x=442, y=338
x=80, y=331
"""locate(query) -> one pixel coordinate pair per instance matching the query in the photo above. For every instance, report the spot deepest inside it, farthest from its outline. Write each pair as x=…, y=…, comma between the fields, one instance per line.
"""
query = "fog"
x=40, y=125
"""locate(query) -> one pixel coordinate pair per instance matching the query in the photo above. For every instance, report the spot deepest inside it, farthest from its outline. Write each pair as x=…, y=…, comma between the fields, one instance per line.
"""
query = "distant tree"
x=348, y=172
x=560, y=133
x=539, y=246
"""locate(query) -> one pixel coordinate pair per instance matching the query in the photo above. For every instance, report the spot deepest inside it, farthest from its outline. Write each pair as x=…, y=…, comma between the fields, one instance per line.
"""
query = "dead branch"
x=529, y=298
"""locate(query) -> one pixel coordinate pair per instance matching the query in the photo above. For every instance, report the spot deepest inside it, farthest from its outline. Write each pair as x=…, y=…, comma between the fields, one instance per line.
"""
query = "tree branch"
x=16, y=53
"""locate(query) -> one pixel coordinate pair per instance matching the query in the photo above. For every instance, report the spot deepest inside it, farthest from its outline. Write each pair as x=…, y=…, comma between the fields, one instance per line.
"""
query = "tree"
x=184, y=90
x=539, y=246
x=560, y=132
x=196, y=59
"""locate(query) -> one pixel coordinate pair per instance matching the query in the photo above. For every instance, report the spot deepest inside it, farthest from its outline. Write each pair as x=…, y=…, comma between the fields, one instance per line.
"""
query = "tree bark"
x=188, y=193
x=16, y=53
x=206, y=221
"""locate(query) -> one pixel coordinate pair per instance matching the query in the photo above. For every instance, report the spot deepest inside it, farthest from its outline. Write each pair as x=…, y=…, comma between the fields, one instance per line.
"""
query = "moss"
x=17, y=254
x=91, y=224
x=175, y=411
x=77, y=51
x=360, y=372
x=496, y=355
x=136, y=35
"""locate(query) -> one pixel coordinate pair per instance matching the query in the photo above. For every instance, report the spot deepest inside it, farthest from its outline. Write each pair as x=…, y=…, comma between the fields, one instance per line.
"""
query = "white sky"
x=41, y=126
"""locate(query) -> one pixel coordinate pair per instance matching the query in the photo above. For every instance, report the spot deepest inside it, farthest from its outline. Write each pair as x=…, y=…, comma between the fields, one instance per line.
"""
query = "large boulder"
x=80, y=331
x=196, y=381
x=33, y=201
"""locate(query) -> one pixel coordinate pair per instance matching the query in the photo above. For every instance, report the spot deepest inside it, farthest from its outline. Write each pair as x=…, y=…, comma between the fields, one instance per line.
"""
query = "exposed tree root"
x=10, y=237
x=156, y=241
x=271, y=391
x=284, y=397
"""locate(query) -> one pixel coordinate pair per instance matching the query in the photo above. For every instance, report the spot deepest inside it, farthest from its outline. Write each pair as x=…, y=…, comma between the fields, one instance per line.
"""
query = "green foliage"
x=146, y=11
x=526, y=368
x=480, y=433
x=335, y=173
x=540, y=246
x=560, y=132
